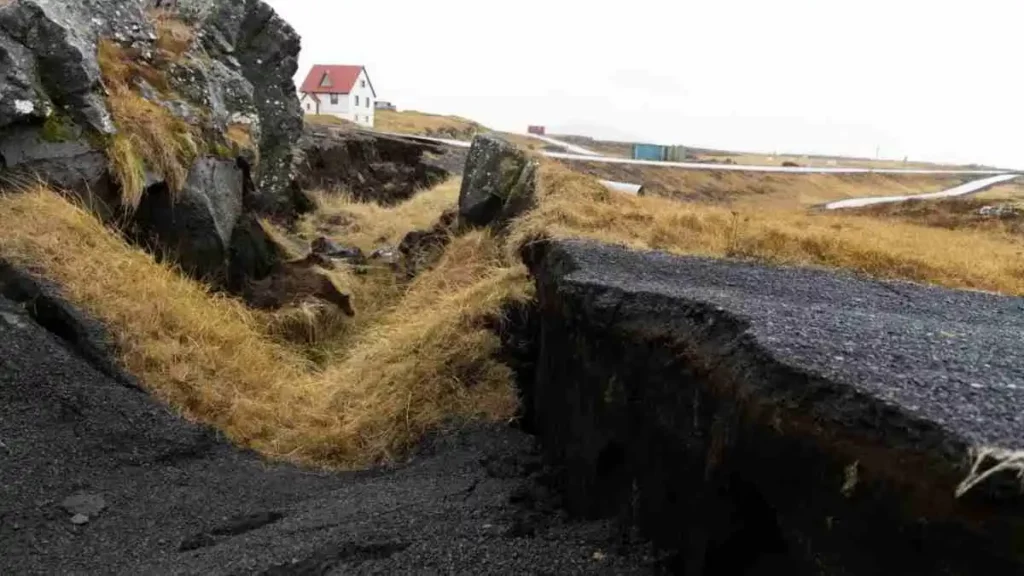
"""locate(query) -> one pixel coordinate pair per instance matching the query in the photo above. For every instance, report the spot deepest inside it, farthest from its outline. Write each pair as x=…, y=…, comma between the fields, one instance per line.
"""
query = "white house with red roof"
x=342, y=91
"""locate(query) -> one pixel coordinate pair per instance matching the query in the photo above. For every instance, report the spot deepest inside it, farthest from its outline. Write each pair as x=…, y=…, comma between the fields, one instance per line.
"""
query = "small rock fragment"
x=84, y=505
x=79, y=519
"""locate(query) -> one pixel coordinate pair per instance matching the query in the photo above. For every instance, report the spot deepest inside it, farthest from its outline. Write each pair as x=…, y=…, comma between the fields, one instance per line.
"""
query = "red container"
x=538, y=130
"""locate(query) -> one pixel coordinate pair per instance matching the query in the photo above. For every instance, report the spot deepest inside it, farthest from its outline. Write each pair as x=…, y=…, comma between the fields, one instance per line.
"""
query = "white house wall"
x=339, y=109
x=363, y=93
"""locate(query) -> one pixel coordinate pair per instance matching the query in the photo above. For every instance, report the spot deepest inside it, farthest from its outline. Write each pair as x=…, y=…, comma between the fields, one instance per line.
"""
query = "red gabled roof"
x=343, y=79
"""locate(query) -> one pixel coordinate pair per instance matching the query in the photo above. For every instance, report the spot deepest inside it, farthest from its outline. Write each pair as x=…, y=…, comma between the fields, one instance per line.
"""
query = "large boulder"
x=228, y=73
x=371, y=167
x=498, y=184
x=195, y=226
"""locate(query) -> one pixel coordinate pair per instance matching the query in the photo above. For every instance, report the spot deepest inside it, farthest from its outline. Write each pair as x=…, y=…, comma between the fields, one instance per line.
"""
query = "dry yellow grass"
x=573, y=205
x=954, y=214
x=239, y=136
x=1010, y=191
x=376, y=293
x=410, y=122
x=328, y=120
x=149, y=136
x=430, y=359
x=370, y=226
x=173, y=36
x=424, y=362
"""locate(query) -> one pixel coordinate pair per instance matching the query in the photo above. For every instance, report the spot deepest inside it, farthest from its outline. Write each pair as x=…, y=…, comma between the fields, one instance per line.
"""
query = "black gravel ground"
x=160, y=496
x=950, y=357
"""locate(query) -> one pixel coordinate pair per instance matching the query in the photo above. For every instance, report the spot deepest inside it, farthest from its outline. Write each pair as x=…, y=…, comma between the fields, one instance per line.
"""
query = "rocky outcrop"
x=248, y=37
x=760, y=420
x=224, y=67
x=195, y=225
x=81, y=75
x=48, y=57
x=498, y=184
x=51, y=93
x=371, y=167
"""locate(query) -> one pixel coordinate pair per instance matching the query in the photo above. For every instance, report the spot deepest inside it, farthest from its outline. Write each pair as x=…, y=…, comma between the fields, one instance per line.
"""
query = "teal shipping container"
x=653, y=152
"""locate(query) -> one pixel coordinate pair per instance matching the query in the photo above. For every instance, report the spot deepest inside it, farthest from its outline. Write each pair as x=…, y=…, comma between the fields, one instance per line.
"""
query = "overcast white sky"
x=933, y=79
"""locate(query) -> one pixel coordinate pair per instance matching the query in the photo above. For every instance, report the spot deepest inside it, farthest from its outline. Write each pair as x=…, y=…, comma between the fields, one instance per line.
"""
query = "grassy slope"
x=410, y=122
x=419, y=355
x=406, y=369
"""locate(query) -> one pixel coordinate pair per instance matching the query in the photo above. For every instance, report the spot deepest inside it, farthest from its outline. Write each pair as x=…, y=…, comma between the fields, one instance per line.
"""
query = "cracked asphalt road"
x=949, y=357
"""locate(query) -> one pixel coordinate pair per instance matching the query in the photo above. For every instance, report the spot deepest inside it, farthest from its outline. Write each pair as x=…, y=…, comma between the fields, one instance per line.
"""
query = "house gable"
x=323, y=79
x=369, y=83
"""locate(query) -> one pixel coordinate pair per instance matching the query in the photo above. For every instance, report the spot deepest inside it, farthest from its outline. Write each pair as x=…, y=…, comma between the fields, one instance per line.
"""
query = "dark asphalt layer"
x=180, y=501
x=953, y=358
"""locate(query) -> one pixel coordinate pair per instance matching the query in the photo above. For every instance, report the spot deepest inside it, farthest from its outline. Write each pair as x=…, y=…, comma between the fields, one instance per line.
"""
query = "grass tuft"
x=369, y=226
x=239, y=136
x=173, y=36
x=149, y=135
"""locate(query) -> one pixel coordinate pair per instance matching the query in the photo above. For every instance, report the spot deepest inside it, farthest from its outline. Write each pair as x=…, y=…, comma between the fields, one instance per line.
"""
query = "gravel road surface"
x=953, y=358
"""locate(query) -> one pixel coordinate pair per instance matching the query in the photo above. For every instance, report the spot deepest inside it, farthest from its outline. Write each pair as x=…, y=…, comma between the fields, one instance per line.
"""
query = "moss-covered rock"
x=58, y=128
x=498, y=184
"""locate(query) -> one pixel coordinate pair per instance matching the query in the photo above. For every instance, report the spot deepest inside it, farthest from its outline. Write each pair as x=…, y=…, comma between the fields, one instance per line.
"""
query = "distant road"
x=962, y=190
x=574, y=149
x=591, y=156
x=773, y=169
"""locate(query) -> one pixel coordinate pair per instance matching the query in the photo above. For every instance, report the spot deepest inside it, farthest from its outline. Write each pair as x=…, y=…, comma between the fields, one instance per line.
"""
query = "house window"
x=357, y=100
x=307, y=107
x=334, y=98
x=325, y=81
x=362, y=83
